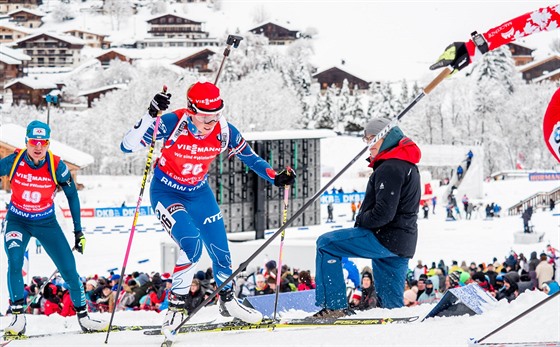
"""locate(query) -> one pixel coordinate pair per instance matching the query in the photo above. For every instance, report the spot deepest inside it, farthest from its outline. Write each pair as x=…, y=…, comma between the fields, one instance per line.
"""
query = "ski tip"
x=472, y=341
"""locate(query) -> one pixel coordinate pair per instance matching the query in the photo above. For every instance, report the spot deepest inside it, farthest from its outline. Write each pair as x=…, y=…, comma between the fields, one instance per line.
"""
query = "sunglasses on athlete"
x=205, y=116
x=37, y=142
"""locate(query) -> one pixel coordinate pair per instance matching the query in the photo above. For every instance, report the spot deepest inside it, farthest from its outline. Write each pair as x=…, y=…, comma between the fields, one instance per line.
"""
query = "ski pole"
x=442, y=75
x=522, y=314
x=279, y=268
x=232, y=40
x=136, y=214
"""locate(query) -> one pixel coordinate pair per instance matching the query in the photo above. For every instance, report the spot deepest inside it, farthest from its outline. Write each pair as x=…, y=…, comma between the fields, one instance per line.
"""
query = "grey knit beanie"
x=374, y=126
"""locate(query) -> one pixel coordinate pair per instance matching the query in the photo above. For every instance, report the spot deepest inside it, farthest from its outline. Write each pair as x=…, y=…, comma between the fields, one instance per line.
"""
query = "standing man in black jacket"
x=385, y=229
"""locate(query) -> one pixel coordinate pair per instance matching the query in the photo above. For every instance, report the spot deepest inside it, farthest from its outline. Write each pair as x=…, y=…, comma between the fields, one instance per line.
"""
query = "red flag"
x=551, y=126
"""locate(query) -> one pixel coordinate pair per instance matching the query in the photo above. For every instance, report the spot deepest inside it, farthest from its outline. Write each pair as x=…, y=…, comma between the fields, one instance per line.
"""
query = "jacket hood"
x=397, y=146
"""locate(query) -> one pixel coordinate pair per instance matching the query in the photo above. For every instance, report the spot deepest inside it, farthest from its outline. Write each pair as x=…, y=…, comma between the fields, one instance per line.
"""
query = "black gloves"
x=286, y=177
x=160, y=102
x=455, y=55
x=80, y=241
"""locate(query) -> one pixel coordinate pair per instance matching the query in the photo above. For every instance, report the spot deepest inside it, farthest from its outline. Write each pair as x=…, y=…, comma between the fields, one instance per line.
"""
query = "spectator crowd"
x=424, y=284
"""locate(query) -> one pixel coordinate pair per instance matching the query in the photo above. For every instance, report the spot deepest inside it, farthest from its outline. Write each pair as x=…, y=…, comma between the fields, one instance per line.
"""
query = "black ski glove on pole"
x=455, y=55
x=80, y=241
x=160, y=102
x=286, y=177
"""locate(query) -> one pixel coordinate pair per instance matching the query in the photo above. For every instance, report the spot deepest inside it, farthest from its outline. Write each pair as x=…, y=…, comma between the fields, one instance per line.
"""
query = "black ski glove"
x=286, y=177
x=80, y=241
x=455, y=55
x=160, y=102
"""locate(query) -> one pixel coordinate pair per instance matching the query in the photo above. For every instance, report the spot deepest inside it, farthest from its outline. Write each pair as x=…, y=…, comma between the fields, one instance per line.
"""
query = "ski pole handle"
x=442, y=75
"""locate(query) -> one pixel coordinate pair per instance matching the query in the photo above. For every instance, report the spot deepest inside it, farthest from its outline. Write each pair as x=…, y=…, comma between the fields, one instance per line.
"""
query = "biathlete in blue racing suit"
x=180, y=195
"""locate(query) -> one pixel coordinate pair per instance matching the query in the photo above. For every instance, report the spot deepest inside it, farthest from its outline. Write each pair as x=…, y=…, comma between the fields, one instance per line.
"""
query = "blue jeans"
x=389, y=270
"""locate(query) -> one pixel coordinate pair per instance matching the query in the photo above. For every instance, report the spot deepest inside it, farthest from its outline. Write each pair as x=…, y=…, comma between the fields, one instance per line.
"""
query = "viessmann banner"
x=544, y=176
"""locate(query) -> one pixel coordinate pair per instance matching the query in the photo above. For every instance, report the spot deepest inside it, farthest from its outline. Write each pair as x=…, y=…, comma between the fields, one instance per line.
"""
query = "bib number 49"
x=32, y=197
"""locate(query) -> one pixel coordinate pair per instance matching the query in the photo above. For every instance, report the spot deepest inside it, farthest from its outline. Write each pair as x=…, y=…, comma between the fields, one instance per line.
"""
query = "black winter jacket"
x=392, y=199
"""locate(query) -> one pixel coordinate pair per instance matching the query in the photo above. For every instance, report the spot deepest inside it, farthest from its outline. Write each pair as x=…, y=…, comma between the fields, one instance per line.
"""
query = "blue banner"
x=303, y=300
x=122, y=211
x=342, y=198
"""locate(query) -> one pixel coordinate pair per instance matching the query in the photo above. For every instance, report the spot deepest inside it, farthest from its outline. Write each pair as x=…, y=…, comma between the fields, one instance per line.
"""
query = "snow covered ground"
x=475, y=240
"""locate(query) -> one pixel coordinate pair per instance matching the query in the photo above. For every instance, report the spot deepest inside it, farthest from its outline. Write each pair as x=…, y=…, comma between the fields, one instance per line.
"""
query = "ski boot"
x=90, y=325
x=18, y=324
x=176, y=312
x=231, y=307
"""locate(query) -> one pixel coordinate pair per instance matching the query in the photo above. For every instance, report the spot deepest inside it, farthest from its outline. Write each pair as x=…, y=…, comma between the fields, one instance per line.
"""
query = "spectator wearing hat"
x=262, y=287
x=356, y=299
x=369, y=297
x=180, y=191
x=430, y=295
x=509, y=291
x=409, y=297
x=34, y=216
x=114, y=282
x=91, y=295
x=386, y=226
x=52, y=300
x=270, y=269
x=195, y=296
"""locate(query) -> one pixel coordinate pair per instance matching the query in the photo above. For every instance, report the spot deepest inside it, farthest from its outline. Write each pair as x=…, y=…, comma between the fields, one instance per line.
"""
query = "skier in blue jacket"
x=35, y=174
x=181, y=196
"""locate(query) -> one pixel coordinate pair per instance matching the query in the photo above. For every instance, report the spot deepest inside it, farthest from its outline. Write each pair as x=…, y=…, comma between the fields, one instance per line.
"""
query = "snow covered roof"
x=532, y=64
x=13, y=53
x=546, y=76
x=101, y=89
x=61, y=37
x=33, y=12
x=85, y=31
x=16, y=28
x=363, y=75
x=282, y=24
x=174, y=15
x=14, y=135
x=171, y=54
x=33, y=82
x=288, y=134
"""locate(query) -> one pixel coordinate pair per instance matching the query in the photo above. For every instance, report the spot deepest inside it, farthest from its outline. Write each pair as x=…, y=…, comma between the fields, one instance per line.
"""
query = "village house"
x=172, y=30
x=276, y=34
x=13, y=64
x=96, y=93
x=31, y=90
x=93, y=40
x=336, y=76
x=197, y=61
x=7, y=6
x=521, y=54
x=112, y=54
x=51, y=50
x=544, y=69
x=12, y=136
x=31, y=19
x=10, y=33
